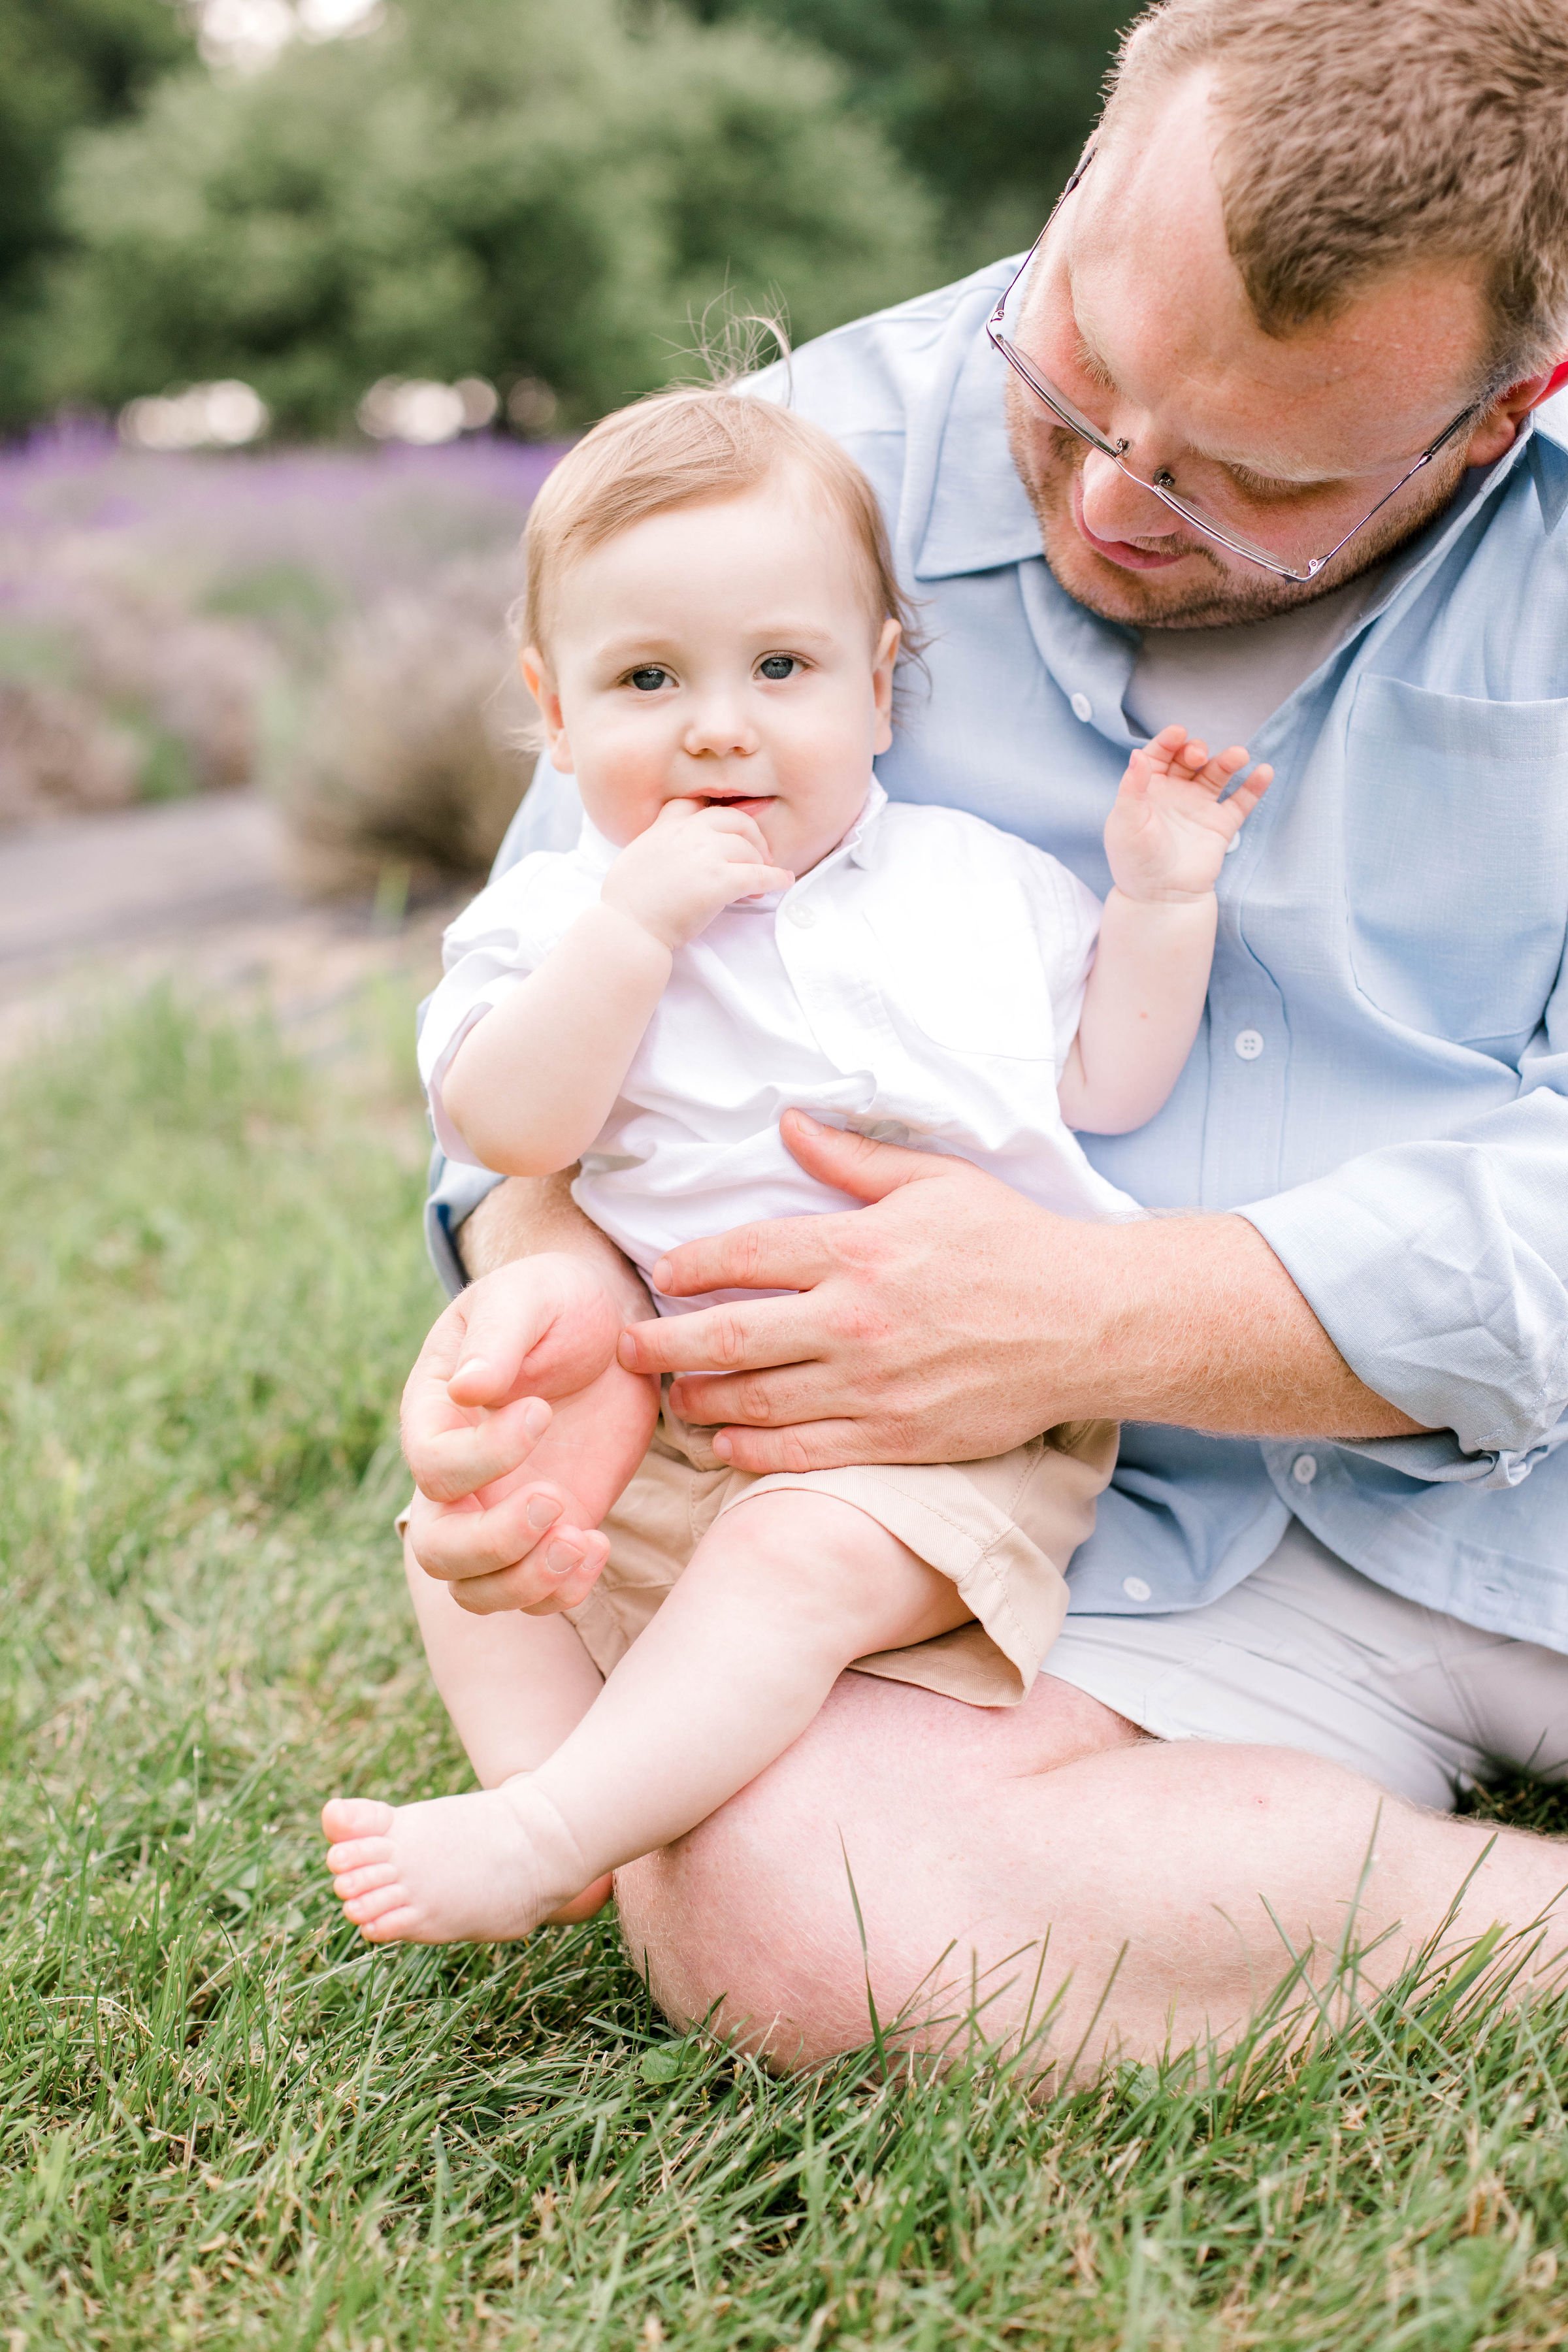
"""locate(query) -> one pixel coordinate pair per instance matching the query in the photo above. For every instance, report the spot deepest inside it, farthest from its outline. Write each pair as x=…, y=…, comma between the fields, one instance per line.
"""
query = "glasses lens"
x=1278, y=548
x=1275, y=542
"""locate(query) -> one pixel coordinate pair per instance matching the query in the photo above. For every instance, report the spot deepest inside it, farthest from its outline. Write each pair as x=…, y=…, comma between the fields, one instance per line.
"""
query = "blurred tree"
x=509, y=188
x=990, y=100
x=63, y=63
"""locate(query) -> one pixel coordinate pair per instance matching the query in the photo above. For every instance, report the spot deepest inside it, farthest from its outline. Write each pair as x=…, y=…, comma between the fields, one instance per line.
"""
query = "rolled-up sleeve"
x=454, y=1192
x=1439, y=1269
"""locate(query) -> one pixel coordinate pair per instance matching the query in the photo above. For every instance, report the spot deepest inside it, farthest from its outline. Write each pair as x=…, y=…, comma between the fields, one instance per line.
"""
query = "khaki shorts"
x=1307, y=1652
x=1002, y=1530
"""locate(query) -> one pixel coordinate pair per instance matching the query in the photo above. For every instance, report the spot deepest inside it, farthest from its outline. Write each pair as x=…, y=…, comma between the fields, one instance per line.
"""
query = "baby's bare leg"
x=514, y=1685
x=783, y=1593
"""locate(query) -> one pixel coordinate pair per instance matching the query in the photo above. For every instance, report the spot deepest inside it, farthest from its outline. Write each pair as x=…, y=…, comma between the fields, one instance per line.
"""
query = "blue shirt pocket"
x=1456, y=860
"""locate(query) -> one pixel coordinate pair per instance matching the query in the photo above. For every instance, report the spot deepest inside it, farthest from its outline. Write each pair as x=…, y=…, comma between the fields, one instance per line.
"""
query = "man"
x=1250, y=445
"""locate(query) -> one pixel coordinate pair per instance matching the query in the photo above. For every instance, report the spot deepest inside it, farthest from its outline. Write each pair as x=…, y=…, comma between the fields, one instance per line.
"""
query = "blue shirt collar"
x=980, y=519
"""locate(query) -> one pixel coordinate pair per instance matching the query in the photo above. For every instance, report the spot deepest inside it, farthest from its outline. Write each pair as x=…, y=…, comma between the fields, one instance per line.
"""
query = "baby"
x=746, y=925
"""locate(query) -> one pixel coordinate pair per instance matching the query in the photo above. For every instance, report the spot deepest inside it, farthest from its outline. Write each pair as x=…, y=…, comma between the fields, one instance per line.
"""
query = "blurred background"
x=298, y=300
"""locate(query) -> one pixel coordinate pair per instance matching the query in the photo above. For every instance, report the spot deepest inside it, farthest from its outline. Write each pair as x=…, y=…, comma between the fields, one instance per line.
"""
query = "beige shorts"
x=1002, y=1530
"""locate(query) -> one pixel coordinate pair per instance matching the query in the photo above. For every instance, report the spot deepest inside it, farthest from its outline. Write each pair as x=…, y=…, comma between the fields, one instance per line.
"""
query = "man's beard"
x=1219, y=597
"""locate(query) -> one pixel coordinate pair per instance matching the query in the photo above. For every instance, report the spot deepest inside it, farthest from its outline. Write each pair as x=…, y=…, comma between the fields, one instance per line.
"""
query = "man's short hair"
x=1363, y=136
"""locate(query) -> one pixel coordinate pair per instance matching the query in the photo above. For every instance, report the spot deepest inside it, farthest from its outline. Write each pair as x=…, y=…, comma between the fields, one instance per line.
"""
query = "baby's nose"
x=721, y=730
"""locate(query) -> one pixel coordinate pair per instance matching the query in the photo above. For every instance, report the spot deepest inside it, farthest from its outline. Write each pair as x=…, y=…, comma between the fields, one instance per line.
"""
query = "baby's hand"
x=1169, y=829
x=693, y=859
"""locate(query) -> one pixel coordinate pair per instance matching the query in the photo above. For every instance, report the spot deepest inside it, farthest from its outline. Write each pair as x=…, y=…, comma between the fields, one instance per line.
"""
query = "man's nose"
x=1115, y=506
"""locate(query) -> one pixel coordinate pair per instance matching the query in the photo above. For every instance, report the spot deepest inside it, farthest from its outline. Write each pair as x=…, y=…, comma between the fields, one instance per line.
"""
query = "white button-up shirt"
x=923, y=984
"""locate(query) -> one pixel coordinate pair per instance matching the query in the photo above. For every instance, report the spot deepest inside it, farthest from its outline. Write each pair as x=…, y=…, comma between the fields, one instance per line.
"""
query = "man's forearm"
x=1214, y=1334
x=526, y=1214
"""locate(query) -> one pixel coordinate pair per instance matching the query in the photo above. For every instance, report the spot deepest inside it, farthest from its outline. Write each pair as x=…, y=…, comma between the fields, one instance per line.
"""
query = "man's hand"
x=952, y=1319
x=512, y=1487
x=693, y=860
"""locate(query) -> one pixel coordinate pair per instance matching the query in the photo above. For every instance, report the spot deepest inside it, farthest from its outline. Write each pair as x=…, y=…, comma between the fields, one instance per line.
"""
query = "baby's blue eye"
x=777, y=665
x=648, y=681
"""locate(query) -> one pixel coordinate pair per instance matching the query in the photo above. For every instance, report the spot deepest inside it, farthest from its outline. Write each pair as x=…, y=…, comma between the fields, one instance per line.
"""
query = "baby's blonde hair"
x=694, y=447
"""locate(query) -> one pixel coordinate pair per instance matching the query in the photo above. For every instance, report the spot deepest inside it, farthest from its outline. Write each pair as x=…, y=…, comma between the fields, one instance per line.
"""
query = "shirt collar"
x=980, y=517
x=594, y=851
x=596, y=854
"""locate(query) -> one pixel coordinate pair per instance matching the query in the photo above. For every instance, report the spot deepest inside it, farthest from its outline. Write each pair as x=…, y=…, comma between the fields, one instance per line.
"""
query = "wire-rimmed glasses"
x=1222, y=529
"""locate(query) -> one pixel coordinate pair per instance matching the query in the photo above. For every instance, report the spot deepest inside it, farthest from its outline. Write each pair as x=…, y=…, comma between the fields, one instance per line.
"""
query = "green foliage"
x=226, y=2124
x=63, y=64
x=989, y=101
x=506, y=187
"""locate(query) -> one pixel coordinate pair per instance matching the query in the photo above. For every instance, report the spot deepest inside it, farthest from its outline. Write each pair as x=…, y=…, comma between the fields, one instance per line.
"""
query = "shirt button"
x=800, y=914
x=1304, y=1469
x=1233, y=845
x=1136, y=1589
x=1081, y=706
x=1248, y=1044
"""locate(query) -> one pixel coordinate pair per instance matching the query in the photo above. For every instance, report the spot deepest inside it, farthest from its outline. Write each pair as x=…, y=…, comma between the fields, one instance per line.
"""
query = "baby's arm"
x=532, y=1083
x=1165, y=838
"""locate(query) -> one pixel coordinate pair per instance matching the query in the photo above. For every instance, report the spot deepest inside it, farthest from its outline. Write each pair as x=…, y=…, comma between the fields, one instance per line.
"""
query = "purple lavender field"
x=330, y=625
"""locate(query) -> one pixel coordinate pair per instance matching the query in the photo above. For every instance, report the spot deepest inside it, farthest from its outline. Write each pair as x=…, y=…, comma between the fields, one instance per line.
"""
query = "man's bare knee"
x=752, y=1921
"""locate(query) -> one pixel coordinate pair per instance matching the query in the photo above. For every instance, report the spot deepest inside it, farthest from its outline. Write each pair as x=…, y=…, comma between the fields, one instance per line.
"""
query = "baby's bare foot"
x=484, y=1868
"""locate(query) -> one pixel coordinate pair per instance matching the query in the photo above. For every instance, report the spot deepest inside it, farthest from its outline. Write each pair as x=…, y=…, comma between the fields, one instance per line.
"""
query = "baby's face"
x=722, y=653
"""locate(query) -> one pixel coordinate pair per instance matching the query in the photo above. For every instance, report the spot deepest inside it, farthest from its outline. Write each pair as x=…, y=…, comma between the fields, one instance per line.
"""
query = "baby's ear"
x=883, y=660
x=537, y=677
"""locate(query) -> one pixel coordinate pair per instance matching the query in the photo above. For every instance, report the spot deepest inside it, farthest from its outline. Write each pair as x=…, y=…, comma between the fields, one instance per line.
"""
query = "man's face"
x=1136, y=310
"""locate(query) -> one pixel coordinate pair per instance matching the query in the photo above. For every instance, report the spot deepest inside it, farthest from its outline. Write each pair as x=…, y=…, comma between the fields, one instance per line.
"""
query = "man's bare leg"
x=975, y=1836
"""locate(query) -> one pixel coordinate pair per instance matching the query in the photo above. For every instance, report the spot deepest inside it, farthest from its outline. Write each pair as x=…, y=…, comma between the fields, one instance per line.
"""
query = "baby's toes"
x=365, y=1879
x=355, y=1817
x=358, y=1854
x=377, y=1906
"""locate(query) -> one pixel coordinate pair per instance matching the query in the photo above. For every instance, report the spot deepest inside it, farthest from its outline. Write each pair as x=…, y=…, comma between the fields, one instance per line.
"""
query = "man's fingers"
x=540, y=1587
x=448, y=1463
x=768, y=1399
x=855, y=1164
x=503, y=1322
x=811, y=1445
x=782, y=1254
x=454, y=1544
x=732, y=1337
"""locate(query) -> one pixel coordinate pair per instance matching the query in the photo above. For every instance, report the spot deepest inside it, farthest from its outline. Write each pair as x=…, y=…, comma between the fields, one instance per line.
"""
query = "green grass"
x=223, y=2123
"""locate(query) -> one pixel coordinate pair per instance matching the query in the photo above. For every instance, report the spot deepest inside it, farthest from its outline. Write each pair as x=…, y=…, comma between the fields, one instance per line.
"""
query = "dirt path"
x=196, y=892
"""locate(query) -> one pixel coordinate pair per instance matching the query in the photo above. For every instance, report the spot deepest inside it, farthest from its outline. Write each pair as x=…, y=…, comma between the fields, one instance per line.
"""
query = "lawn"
x=224, y=2123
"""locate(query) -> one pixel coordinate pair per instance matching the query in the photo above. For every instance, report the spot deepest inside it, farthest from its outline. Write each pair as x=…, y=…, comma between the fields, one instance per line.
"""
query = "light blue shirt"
x=1380, y=1083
